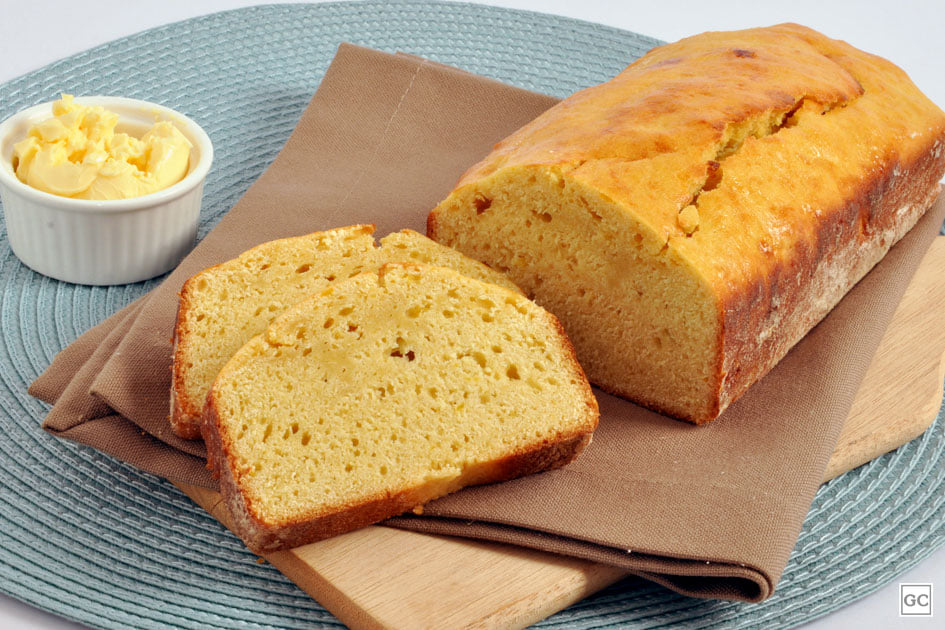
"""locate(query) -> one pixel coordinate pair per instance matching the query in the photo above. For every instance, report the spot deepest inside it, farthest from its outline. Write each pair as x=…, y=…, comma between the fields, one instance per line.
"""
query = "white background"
x=34, y=33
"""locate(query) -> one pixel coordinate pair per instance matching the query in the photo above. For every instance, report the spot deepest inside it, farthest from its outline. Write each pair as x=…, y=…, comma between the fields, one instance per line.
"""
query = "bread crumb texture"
x=223, y=307
x=691, y=219
x=411, y=382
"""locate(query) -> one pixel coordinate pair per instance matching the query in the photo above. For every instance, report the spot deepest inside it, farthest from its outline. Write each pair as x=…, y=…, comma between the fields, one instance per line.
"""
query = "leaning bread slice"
x=223, y=307
x=385, y=391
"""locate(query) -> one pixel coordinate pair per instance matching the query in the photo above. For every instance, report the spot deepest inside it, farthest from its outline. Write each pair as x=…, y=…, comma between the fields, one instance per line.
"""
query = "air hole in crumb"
x=497, y=349
x=306, y=438
x=295, y=427
x=346, y=311
x=306, y=352
x=409, y=354
x=488, y=318
x=329, y=322
x=414, y=311
x=448, y=313
x=201, y=317
x=352, y=327
x=264, y=267
x=480, y=358
x=348, y=467
x=482, y=203
x=512, y=372
x=303, y=268
x=383, y=470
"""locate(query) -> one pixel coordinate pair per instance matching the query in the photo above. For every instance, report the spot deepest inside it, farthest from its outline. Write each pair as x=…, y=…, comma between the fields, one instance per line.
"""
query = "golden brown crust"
x=185, y=416
x=850, y=243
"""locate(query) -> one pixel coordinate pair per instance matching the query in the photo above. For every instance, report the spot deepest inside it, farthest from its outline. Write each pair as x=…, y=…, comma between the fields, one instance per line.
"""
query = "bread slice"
x=385, y=391
x=224, y=306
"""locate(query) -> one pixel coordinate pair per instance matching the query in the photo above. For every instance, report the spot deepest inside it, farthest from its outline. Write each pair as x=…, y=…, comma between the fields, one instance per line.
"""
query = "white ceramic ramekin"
x=104, y=242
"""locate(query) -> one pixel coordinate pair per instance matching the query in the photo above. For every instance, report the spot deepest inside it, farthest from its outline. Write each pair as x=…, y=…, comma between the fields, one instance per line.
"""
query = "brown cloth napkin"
x=711, y=511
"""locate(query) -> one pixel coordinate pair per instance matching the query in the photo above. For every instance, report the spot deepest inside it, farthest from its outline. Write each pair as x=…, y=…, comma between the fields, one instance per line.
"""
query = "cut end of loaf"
x=644, y=325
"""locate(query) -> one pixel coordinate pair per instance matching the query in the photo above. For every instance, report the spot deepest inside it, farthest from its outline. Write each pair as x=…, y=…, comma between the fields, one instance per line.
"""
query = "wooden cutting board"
x=379, y=577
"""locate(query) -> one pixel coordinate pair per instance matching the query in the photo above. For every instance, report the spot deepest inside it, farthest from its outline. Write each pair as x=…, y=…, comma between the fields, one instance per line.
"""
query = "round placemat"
x=97, y=541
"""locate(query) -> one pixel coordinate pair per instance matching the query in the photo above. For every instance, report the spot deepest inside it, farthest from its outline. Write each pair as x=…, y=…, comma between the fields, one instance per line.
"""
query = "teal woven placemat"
x=94, y=540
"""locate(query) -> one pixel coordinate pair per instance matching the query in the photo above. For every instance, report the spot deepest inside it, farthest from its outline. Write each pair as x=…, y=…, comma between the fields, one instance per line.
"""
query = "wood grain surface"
x=379, y=577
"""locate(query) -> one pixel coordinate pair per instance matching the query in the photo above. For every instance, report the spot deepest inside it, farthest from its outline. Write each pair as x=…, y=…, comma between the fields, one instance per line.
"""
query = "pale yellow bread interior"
x=224, y=306
x=385, y=391
x=636, y=311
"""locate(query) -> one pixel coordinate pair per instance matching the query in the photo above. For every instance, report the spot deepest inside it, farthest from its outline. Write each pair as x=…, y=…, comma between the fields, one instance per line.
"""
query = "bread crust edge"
x=260, y=537
x=872, y=221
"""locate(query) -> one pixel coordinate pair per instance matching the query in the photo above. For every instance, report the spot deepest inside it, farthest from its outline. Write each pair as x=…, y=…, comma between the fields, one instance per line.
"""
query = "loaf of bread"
x=385, y=391
x=691, y=219
x=223, y=307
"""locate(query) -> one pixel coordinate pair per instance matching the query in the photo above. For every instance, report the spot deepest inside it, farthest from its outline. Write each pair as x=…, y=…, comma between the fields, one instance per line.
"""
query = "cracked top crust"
x=711, y=141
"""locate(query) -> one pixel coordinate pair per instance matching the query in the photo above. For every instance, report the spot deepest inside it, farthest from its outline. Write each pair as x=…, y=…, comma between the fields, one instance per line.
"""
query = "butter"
x=78, y=154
